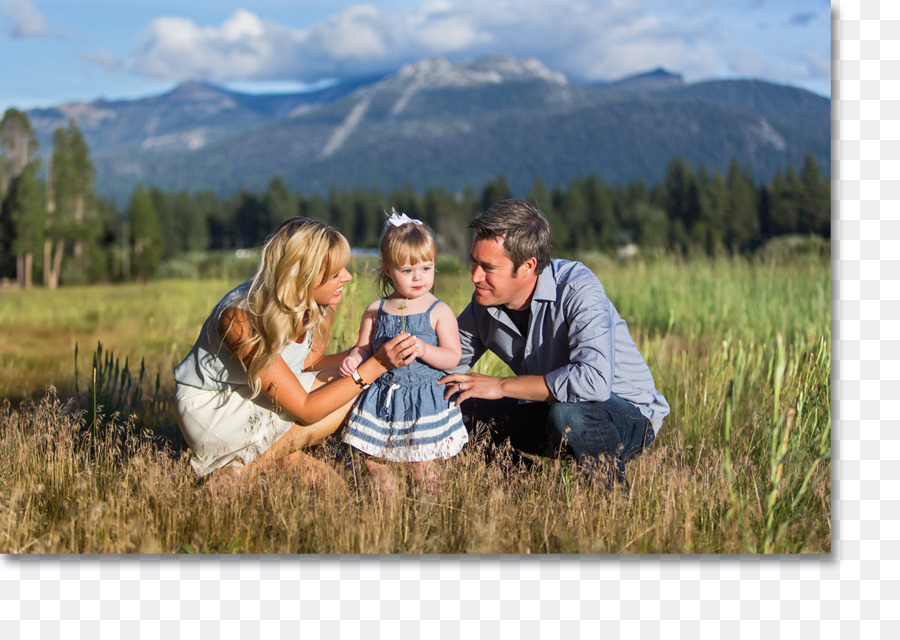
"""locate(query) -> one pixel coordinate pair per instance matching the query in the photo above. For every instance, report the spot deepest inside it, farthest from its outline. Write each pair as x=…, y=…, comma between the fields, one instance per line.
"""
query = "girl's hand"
x=350, y=363
x=420, y=347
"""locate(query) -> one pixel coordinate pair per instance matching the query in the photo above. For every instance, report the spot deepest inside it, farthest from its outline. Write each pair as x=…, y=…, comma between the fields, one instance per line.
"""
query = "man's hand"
x=472, y=385
x=476, y=385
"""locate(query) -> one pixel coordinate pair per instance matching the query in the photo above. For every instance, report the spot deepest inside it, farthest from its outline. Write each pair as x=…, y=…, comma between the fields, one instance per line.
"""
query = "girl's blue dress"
x=403, y=416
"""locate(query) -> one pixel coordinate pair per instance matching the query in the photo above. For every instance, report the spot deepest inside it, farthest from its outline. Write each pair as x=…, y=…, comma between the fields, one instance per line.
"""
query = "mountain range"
x=439, y=124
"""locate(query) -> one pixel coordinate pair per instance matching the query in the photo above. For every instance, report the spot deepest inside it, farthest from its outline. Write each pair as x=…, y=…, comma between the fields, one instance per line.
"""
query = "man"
x=580, y=385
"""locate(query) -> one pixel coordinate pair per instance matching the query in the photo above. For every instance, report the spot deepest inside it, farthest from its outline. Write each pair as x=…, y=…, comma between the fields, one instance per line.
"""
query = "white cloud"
x=357, y=33
x=243, y=47
x=23, y=19
x=587, y=40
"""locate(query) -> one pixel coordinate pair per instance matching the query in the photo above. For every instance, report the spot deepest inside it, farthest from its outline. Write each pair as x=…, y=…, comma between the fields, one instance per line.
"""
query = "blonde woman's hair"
x=408, y=243
x=280, y=306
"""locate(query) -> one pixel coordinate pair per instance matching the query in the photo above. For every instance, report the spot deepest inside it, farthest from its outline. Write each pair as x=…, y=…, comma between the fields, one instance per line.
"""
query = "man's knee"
x=582, y=428
x=566, y=417
x=562, y=413
x=615, y=428
x=561, y=420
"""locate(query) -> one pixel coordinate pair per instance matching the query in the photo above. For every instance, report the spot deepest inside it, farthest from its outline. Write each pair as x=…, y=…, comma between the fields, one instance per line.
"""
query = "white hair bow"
x=400, y=219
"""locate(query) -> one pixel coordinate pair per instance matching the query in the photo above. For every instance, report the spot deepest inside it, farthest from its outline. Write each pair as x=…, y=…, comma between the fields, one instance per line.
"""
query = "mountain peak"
x=438, y=72
x=196, y=90
x=656, y=80
x=510, y=68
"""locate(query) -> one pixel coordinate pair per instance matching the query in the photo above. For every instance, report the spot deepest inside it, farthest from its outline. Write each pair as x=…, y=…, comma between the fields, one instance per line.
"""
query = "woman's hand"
x=399, y=351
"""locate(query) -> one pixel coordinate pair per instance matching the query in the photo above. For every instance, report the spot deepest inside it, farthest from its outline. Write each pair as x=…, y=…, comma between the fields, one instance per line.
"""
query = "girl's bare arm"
x=363, y=348
x=448, y=351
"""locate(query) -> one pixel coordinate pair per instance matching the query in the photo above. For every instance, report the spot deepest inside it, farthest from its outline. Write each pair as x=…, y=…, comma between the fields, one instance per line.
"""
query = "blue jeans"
x=612, y=431
x=591, y=431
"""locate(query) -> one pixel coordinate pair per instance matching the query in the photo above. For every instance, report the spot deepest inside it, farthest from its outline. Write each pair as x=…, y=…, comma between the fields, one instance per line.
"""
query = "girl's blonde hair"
x=408, y=243
x=280, y=306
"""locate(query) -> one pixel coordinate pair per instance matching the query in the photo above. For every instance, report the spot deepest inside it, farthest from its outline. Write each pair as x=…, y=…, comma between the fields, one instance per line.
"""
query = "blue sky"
x=57, y=51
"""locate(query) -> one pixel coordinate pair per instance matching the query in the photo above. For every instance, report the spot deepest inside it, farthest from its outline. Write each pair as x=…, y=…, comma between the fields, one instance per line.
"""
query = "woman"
x=248, y=395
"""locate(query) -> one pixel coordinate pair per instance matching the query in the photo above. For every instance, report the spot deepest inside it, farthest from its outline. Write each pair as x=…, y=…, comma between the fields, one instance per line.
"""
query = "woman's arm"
x=281, y=384
x=448, y=351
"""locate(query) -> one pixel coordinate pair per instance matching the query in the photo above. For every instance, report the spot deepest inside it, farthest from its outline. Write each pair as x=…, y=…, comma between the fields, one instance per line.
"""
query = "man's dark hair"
x=523, y=228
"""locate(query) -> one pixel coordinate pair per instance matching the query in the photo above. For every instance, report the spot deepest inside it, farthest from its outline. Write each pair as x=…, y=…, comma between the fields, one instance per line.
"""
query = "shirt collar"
x=545, y=289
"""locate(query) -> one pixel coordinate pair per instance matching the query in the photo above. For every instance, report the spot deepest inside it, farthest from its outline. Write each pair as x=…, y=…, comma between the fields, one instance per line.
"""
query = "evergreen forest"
x=55, y=229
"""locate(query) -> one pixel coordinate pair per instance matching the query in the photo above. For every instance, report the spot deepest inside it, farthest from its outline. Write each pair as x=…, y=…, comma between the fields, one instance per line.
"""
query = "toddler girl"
x=403, y=416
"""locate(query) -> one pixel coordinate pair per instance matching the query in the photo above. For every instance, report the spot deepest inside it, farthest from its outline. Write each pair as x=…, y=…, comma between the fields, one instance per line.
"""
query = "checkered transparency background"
x=851, y=593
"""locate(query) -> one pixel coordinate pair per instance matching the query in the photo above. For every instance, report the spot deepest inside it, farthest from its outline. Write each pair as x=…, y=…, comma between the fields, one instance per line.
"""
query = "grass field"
x=741, y=349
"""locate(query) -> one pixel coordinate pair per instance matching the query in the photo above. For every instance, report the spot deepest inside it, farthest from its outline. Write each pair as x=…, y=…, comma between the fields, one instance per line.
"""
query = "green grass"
x=741, y=349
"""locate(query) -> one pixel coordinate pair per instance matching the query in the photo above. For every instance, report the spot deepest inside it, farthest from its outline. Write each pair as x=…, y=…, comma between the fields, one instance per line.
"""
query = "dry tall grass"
x=741, y=350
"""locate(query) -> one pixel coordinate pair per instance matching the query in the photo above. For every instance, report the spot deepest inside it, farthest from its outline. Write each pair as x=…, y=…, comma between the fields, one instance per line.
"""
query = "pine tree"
x=71, y=219
x=164, y=205
x=601, y=213
x=250, y=221
x=25, y=210
x=814, y=201
x=340, y=207
x=495, y=191
x=315, y=207
x=710, y=230
x=405, y=200
x=278, y=204
x=18, y=147
x=577, y=233
x=743, y=215
x=540, y=196
x=653, y=229
x=784, y=191
x=146, y=235
x=368, y=215
x=19, y=165
x=192, y=213
x=444, y=214
x=682, y=197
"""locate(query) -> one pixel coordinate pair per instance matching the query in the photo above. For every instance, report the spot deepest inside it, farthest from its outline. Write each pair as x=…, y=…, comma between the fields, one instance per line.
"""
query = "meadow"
x=93, y=461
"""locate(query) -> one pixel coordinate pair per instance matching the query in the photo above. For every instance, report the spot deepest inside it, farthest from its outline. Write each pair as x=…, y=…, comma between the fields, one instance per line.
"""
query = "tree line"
x=55, y=229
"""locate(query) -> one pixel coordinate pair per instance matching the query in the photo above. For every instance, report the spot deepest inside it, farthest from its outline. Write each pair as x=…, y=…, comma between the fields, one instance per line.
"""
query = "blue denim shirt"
x=575, y=339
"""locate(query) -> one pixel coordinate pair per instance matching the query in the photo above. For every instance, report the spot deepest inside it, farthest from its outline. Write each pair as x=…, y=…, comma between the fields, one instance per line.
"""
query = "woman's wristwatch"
x=358, y=380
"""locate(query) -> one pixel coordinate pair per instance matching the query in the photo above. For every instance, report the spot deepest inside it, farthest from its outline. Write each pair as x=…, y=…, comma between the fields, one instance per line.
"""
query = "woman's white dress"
x=221, y=423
